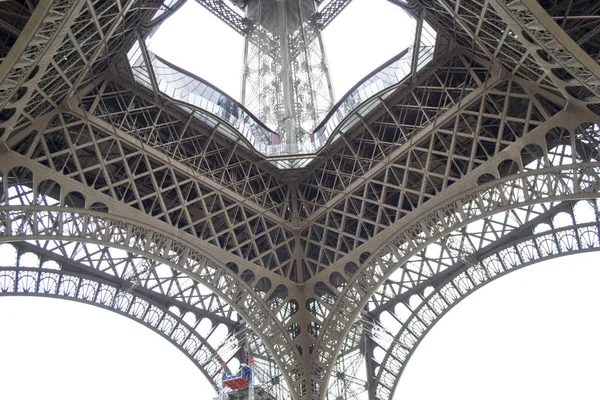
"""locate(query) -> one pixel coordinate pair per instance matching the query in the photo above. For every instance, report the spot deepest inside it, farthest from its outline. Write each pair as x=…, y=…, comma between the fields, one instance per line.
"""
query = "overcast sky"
x=531, y=335
x=365, y=35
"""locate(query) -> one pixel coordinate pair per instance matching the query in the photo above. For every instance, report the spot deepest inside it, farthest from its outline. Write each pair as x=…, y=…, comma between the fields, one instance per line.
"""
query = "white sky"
x=365, y=35
x=530, y=335
x=533, y=334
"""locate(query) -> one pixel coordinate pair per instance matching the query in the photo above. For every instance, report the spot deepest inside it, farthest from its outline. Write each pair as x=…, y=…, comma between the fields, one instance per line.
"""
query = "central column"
x=286, y=81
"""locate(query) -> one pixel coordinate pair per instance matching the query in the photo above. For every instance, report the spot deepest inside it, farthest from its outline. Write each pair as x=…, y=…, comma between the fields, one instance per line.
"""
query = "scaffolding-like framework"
x=115, y=192
x=286, y=81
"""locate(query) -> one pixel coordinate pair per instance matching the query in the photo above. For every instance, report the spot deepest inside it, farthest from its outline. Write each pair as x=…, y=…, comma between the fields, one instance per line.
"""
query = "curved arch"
x=44, y=282
x=193, y=328
x=53, y=223
x=521, y=196
x=54, y=228
x=466, y=278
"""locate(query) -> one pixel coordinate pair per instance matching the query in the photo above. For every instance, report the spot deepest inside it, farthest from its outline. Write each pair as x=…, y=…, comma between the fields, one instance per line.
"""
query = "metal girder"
x=71, y=212
x=477, y=26
x=64, y=285
x=432, y=193
x=362, y=273
x=330, y=11
x=25, y=63
x=191, y=139
x=158, y=284
x=112, y=162
x=412, y=319
x=522, y=37
x=391, y=293
x=570, y=67
x=64, y=43
x=384, y=154
x=38, y=272
x=226, y=14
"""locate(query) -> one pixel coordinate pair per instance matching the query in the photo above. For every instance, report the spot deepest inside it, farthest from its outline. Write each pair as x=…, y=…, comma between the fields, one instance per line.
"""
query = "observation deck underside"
x=140, y=190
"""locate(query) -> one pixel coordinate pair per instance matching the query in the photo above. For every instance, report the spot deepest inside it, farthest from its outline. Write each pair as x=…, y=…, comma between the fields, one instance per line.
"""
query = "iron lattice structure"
x=286, y=80
x=113, y=193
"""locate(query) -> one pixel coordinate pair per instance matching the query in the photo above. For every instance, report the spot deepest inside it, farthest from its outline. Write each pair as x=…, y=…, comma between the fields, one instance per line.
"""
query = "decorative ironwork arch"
x=49, y=280
x=64, y=230
x=418, y=312
x=521, y=196
x=64, y=223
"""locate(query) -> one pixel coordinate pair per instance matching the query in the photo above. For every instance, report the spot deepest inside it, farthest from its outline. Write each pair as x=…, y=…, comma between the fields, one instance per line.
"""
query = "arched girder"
x=364, y=270
x=531, y=51
x=135, y=274
x=199, y=305
x=54, y=282
x=457, y=250
x=29, y=216
x=527, y=191
x=366, y=335
x=389, y=310
x=416, y=315
x=70, y=232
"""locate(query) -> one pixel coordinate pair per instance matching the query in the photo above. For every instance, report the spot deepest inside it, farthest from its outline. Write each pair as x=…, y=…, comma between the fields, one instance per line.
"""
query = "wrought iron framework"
x=286, y=81
x=112, y=193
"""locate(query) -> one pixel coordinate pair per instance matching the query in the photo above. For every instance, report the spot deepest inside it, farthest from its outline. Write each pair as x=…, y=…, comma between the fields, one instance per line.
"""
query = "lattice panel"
x=340, y=293
x=574, y=18
x=563, y=234
x=93, y=34
x=397, y=121
x=202, y=334
x=124, y=172
x=482, y=129
x=478, y=27
x=186, y=139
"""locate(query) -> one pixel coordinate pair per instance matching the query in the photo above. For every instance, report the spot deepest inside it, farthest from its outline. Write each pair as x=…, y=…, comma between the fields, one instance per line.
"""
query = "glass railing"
x=186, y=88
x=386, y=76
x=190, y=90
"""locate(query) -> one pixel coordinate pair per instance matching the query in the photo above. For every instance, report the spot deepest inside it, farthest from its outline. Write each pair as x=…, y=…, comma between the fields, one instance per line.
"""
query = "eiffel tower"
x=323, y=240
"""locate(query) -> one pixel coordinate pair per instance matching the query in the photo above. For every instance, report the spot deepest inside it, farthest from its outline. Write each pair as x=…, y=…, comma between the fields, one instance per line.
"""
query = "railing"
x=184, y=87
x=188, y=89
x=390, y=74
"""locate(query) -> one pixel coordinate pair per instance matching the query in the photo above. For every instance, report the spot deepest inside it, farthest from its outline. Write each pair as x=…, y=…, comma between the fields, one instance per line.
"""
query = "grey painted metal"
x=484, y=161
x=285, y=69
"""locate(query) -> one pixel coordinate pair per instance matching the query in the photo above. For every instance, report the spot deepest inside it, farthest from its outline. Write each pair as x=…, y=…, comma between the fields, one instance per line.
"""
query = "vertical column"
x=286, y=81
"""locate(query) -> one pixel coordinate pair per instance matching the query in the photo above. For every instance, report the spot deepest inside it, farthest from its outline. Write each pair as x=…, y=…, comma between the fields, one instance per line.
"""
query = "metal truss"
x=484, y=161
x=62, y=221
x=41, y=275
x=227, y=14
x=398, y=162
x=159, y=186
x=505, y=204
x=327, y=11
x=520, y=35
x=286, y=81
x=410, y=317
